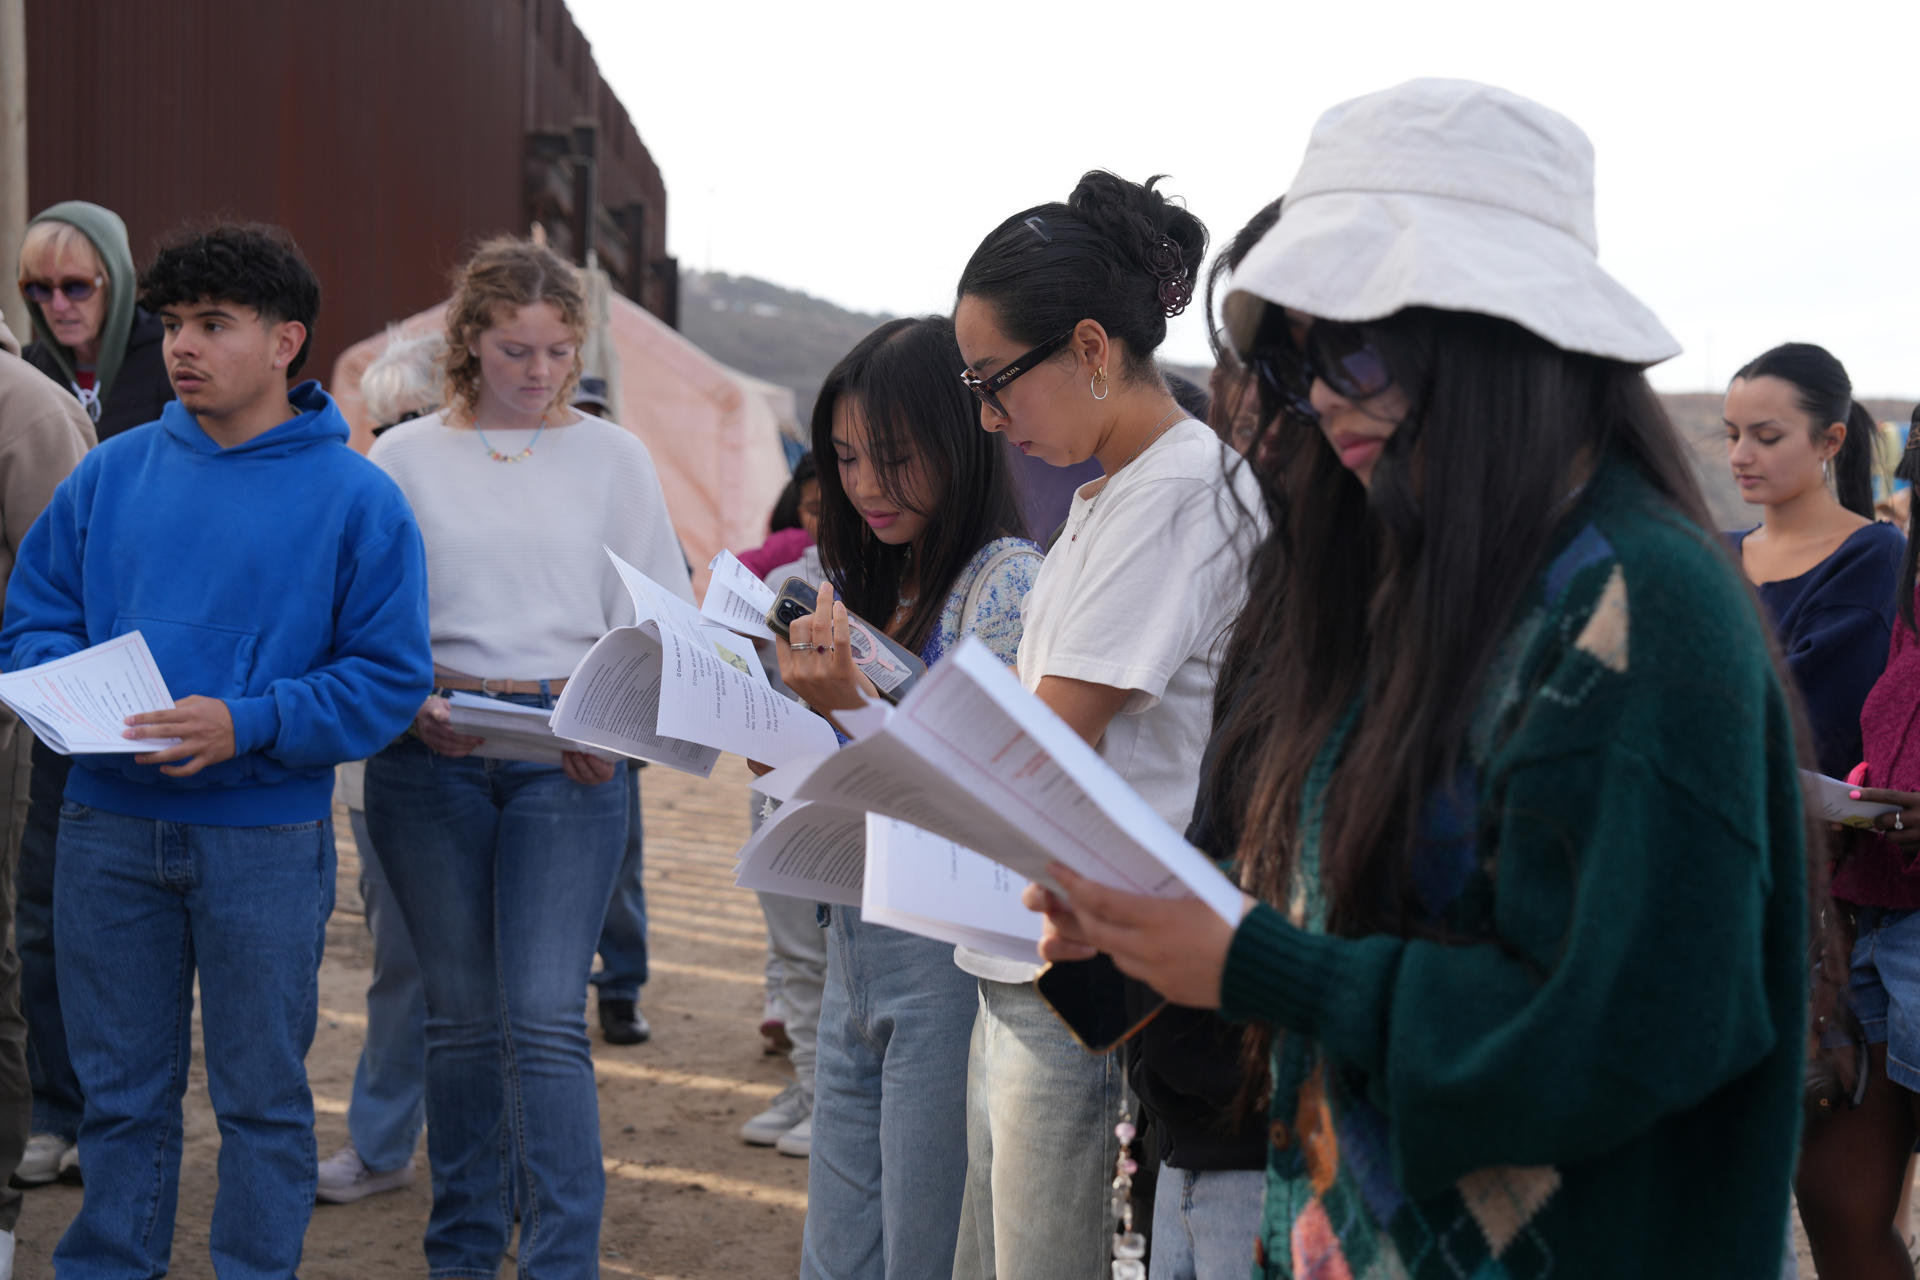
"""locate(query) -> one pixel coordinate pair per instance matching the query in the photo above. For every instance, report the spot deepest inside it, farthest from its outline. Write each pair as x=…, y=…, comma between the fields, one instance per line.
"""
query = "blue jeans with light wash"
x=1040, y=1145
x=502, y=870
x=140, y=906
x=1205, y=1223
x=623, y=938
x=389, y=1105
x=889, y=1153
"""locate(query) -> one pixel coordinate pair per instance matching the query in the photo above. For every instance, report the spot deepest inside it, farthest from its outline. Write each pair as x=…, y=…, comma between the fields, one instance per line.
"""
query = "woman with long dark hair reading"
x=920, y=536
x=1059, y=312
x=1512, y=776
x=1801, y=449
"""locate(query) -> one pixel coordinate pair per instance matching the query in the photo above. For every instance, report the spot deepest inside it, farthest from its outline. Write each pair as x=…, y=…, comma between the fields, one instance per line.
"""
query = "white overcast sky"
x=1758, y=162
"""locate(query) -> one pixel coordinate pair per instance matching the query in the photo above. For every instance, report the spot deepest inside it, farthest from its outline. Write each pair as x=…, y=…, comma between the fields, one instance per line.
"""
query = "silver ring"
x=1897, y=824
x=800, y=646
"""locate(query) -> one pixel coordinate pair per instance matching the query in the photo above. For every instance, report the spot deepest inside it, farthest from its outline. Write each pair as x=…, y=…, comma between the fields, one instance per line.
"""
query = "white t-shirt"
x=1138, y=594
x=518, y=587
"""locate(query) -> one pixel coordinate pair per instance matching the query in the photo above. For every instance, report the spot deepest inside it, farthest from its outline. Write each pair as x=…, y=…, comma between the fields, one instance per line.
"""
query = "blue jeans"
x=502, y=870
x=1205, y=1223
x=390, y=1084
x=57, y=1100
x=1040, y=1145
x=889, y=1157
x=623, y=938
x=139, y=907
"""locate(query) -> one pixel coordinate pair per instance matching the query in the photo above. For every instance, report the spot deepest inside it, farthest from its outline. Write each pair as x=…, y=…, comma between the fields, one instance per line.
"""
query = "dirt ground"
x=686, y=1200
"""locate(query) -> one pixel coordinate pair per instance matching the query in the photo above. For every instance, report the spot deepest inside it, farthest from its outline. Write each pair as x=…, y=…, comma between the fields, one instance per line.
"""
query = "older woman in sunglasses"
x=1510, y=775
x=90, y=336
x=1059, y=313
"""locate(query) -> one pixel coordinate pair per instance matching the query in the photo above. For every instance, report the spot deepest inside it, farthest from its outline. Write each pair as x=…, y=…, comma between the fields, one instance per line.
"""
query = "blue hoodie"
x=284, y=576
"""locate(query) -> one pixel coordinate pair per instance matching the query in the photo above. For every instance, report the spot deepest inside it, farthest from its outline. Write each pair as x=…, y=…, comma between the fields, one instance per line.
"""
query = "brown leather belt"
x=474, y=684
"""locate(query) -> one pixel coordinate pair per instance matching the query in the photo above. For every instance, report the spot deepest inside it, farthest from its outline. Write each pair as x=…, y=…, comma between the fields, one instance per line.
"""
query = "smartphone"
x=892, y=668
x=1090, y=997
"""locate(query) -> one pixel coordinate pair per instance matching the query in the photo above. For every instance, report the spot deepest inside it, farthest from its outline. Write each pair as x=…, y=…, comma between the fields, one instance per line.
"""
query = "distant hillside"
x=794, y=339
x=782, y=335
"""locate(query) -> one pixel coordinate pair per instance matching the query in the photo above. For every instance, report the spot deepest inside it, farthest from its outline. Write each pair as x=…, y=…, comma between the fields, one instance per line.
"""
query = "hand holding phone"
x=813, y=672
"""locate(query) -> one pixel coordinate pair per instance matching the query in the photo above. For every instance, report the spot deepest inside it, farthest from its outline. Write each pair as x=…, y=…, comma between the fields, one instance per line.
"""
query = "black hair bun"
x=1160, y=237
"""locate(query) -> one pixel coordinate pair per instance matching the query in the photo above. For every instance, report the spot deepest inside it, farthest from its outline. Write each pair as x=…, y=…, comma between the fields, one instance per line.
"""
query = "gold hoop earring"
x=1097, y=385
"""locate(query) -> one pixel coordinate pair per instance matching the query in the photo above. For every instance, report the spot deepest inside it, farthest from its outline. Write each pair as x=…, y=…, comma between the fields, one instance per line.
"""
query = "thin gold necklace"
x=1160, y=428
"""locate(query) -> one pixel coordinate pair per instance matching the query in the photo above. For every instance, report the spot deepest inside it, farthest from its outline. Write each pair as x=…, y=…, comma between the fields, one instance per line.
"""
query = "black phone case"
x=1090, y=997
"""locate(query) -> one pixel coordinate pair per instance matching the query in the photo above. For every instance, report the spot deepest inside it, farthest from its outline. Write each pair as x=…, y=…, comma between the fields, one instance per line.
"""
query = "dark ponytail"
x=1116, y=252
x=1826, y=395
x=1909, y=470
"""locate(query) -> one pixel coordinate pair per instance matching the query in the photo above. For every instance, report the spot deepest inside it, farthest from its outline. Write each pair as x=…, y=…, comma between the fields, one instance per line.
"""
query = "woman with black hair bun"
x=1802, y=450
x=1058, y=314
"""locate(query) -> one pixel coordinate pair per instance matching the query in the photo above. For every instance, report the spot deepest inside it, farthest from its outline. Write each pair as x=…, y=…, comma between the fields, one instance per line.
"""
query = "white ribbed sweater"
x=518, y=587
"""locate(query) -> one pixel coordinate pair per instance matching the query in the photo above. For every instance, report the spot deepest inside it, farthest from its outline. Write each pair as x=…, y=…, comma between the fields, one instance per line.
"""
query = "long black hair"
x=1826, y=396
x=919, y=418
x=1116, y=252
x=1909, y=470
x=1405, y=598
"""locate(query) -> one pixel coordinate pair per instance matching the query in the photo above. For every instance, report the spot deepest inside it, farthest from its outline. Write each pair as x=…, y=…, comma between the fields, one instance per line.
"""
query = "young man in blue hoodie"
x=279, y=580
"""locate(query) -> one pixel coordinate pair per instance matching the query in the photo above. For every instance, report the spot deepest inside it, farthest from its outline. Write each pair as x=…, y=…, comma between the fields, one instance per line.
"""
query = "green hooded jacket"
x=109, y=236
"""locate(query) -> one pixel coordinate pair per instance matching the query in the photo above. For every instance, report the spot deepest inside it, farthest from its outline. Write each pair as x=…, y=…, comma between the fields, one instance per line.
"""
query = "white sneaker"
x=797, y=1141
x=6, y=1255
x=344, y=1178
x=70, y=1168
x=41, y=1163
x=790, y=1106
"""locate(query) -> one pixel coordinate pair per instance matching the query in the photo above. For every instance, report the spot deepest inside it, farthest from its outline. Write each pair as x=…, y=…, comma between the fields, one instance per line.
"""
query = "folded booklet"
x=971, y=756
x=677, y=689
x=78, y=705
x=513, y=731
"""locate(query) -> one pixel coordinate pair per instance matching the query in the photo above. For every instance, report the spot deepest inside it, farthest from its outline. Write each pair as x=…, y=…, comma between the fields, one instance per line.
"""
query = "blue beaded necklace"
x=498, y=456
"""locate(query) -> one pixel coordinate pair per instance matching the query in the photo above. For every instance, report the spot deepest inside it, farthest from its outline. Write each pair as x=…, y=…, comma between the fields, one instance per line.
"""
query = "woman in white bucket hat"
x=1510, y=760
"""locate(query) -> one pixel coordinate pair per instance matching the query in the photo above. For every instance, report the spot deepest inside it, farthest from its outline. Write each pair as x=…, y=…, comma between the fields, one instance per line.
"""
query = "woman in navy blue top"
x=1801, y=449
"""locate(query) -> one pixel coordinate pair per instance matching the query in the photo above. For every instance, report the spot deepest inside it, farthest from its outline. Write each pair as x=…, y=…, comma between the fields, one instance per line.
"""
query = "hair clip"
x=1039, y=227
x=1169, y=266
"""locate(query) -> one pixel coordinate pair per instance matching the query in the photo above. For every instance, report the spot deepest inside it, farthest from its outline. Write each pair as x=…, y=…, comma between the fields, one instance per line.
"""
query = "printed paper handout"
x=678, y=689
x=926, y=884
x=1837, y=803
x=78, y=704
x=972, y=756
x=737, y=599
x=807, y=851
x=512, y=731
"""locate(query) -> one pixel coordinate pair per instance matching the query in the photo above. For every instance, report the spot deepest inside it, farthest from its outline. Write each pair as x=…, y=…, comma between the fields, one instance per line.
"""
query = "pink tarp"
x=715, y=443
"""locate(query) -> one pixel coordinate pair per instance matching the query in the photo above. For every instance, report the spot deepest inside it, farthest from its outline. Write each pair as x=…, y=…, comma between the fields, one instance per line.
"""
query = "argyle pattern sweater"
x=1600, y=1075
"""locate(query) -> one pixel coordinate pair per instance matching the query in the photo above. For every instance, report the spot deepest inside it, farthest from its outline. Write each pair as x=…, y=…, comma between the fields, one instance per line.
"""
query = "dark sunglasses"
x=40, y=293
x=987, y=390
x=1337, y=354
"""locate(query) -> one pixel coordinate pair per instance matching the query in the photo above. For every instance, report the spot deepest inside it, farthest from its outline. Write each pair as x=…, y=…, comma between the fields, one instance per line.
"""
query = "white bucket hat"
x=1446, y=194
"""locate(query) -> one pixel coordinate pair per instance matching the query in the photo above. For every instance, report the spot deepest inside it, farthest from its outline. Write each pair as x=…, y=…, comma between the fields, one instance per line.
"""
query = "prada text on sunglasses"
x=988, y=389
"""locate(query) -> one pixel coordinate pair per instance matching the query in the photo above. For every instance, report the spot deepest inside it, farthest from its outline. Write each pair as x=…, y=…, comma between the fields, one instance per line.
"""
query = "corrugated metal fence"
x=387, y=135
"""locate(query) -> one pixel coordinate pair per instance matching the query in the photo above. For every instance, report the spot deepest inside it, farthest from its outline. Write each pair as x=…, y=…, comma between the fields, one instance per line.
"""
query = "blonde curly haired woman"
x=503, y=869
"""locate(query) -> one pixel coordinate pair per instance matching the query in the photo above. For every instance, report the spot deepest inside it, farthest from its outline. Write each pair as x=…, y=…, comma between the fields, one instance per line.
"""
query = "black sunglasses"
x=1340, y=355
x=987, y=390
x=40, y=293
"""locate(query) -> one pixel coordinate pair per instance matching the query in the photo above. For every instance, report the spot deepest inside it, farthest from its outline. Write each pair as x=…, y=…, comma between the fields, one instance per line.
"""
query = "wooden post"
x=13, y=161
